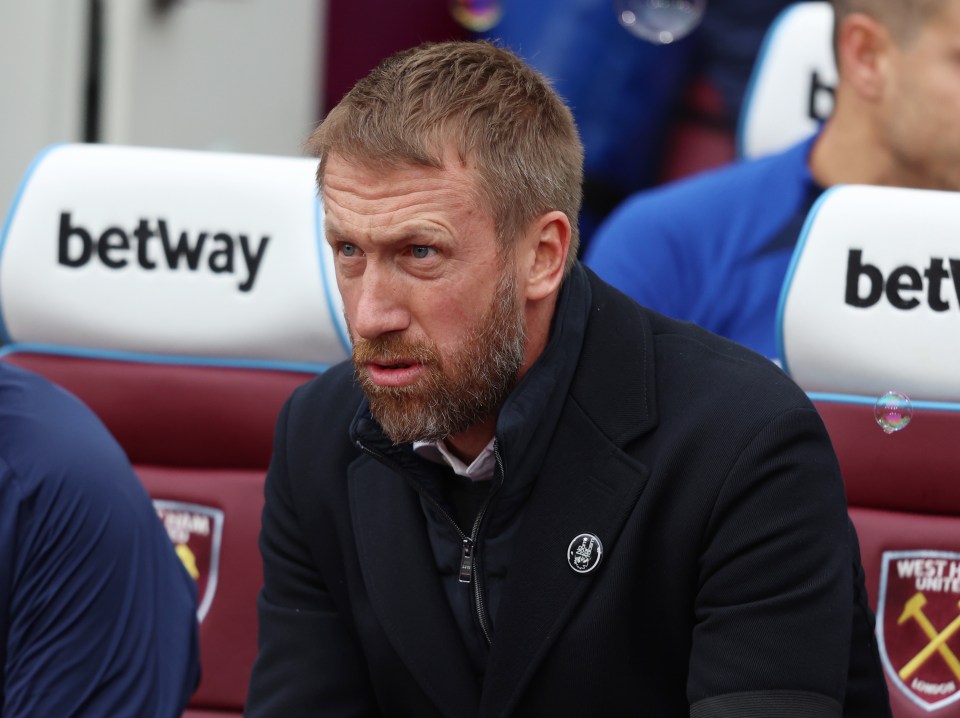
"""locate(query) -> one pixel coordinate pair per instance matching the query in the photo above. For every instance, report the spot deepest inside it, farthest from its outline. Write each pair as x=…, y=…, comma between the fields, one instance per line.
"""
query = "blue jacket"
x=97, y=614
x=713, y=249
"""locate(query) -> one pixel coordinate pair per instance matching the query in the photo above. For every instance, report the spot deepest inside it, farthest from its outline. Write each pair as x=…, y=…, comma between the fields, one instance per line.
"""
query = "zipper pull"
x=466, y=561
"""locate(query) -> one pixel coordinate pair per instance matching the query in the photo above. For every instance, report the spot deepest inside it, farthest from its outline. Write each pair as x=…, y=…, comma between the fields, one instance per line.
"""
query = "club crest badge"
x=918, y=625
x=196, y=532
x=584, y=553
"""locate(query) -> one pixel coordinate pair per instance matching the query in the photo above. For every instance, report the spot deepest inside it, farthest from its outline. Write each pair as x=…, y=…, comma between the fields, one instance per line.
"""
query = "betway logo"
x=156, y=246
x=820, y=98
x=905, y=287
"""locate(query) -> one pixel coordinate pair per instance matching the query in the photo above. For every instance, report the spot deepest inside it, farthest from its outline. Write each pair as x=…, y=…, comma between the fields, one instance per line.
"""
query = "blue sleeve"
x=644, y=249
x=99, y=616
x=712, y=249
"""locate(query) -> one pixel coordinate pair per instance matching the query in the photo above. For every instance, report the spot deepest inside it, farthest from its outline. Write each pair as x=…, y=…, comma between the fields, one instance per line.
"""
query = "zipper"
x=469, y=560
x=478, y=598
x=466, y=560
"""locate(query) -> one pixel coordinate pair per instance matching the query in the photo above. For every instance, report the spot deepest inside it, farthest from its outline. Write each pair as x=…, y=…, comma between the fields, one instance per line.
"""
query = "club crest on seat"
x=918, y=625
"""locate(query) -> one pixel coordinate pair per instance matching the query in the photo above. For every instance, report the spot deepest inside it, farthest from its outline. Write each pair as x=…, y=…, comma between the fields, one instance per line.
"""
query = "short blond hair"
x=501, y=115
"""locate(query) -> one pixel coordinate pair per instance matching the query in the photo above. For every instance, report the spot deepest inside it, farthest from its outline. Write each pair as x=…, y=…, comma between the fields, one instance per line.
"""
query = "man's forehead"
x=391, y=229
x=389, y=207
x=351, y=183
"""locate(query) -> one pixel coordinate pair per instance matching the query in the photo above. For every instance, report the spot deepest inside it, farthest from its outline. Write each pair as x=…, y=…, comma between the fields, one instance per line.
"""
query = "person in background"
x=526, y=495
x=97, y=613
x=714, y=249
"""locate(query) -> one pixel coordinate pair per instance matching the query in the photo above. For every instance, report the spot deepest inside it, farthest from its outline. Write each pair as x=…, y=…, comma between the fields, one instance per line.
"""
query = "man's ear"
x=863, y=47
x=545, y=250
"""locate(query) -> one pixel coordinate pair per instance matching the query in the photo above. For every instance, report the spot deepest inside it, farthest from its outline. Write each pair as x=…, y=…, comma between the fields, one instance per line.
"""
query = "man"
x=715, y=249
x=527, y=495
x=97, y=614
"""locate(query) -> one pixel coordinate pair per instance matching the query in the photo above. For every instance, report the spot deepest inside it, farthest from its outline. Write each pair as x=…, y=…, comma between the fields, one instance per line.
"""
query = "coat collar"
x=615, y=380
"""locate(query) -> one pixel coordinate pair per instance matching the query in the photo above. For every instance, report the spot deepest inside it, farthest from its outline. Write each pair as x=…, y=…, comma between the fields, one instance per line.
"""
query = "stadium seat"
x=182, y=296
x=791, y=88
x=868, y=326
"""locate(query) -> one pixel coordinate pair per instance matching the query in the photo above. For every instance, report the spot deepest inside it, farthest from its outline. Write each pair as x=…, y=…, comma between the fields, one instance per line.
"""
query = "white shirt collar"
x=480, y=469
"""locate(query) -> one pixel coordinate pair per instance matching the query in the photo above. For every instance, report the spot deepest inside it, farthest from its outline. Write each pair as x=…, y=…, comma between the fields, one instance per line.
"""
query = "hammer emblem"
x=938, y=640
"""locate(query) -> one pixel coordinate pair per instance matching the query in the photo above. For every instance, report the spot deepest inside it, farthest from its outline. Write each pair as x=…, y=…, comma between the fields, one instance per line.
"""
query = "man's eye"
x=421, y=251
x=348, y=250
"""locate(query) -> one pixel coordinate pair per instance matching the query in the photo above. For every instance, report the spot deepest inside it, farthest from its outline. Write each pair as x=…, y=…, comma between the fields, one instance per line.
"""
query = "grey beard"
x=467, y=390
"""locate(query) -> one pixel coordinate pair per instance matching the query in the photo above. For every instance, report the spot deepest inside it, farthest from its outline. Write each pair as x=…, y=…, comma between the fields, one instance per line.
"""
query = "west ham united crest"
x=584, y=553
x=196, y=532
x=918, y=625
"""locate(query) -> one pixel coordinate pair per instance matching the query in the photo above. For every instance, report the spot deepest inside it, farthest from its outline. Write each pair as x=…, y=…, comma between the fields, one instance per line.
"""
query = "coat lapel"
x=587, y=485
x=573, y=496
x=405, y=591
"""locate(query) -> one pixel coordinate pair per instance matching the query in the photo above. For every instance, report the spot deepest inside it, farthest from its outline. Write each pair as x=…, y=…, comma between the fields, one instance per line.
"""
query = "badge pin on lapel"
x=584, y=553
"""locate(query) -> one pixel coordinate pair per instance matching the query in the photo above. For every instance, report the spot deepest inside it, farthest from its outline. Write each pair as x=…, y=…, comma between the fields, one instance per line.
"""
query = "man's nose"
x=381, y=304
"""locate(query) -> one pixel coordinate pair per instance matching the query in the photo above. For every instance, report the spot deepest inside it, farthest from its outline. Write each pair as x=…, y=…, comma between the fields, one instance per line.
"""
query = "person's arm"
x=773, y=611
x=645, y=249
x=308, y=662
x=101, y=615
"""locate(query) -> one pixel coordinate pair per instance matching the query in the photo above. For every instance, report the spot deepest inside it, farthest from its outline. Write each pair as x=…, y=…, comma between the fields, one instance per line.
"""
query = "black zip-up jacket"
x=474, y=560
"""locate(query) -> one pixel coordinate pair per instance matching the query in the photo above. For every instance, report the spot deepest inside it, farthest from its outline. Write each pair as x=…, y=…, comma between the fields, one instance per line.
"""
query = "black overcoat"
x=729, y=583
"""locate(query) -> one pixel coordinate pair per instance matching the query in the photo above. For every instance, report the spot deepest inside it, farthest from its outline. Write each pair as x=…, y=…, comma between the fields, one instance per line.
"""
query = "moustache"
x=393, y=349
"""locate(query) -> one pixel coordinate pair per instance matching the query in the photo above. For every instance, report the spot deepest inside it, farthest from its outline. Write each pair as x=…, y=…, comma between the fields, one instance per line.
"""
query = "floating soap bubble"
x=476, y=15
x=893, y=411
x=660, y=21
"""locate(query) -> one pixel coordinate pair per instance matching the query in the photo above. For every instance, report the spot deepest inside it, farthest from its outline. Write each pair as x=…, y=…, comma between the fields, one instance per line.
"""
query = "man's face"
x=434, y=312
x=921, y=110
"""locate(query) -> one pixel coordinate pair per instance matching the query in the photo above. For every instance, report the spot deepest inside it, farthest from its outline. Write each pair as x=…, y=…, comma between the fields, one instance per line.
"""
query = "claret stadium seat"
x=869, y=326
x=182, y=296
x=791, y=87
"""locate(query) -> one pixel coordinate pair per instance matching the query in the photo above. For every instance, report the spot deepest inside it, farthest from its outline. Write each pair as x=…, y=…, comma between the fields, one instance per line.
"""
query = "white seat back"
x=173, y=255
x=871, y=309
x=871, y=301
x=791, y=90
